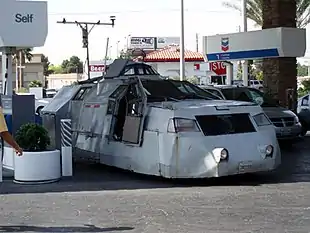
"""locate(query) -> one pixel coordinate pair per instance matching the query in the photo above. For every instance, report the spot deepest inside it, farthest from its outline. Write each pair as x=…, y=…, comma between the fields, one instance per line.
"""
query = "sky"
x=135, y=18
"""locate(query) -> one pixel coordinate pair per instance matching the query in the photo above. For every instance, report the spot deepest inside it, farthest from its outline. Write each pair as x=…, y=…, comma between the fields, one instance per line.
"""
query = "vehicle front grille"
x=283, y=121
x=213, y=125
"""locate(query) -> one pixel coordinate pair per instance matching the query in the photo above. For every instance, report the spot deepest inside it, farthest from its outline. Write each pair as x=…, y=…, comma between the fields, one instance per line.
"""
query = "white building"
x=167, y=62
x=57, y=81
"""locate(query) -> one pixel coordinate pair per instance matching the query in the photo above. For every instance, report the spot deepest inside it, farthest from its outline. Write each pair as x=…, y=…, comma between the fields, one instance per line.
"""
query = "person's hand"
x=19, y=151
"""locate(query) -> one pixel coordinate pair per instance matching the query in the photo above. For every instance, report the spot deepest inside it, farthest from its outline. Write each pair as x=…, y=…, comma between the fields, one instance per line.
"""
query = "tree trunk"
x=280, y=74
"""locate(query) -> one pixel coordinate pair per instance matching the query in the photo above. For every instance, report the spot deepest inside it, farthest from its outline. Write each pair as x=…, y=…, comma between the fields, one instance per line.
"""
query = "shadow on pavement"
x=295, y=167
x=86, y=228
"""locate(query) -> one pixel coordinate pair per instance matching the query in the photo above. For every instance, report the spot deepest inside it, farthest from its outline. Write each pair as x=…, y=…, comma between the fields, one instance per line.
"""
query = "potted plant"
x=38, y=164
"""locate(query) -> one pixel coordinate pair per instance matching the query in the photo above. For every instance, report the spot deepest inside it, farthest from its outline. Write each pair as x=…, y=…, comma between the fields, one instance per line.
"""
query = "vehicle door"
x=136, y=115
x=303, y=108
x=112, y=108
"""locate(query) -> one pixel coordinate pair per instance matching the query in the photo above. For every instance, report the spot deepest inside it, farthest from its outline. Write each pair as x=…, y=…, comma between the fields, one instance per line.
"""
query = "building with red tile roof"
x=172, y=54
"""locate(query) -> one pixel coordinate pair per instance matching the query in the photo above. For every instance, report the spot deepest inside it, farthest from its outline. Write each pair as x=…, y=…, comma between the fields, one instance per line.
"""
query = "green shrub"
x=33, y=137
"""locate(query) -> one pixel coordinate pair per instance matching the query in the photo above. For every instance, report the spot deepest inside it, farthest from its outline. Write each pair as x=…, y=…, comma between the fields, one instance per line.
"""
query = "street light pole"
x=117, y=49
x=182, y=56
x=127, y=42
x=245, y=64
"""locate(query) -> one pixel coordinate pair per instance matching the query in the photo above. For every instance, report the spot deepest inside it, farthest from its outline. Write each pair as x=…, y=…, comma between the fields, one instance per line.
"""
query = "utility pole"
x=197, y=42
x=85, y=33
x=245, y=65
x=182, y=45
x=117, y=48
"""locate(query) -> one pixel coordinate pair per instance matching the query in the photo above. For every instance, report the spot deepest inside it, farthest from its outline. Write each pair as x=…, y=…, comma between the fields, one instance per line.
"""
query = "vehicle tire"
x=304, y=129
x=39, y=109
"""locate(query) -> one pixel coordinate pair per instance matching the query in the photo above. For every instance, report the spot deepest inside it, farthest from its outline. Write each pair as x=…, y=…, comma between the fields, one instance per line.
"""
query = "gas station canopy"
x=267, y=43
x=23, y=24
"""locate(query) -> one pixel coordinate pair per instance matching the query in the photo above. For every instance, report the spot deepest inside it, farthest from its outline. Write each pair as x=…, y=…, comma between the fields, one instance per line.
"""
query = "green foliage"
x=125, y=54
x=259, y=75
x=305, y=89
x=32, y=137
x=55, y=69
x=23, y=90
x=28, y=53
x=302, y=70
x=35, y=83
x=46, y=66
x=73, y=65
x=193, y=80
x=255, y=11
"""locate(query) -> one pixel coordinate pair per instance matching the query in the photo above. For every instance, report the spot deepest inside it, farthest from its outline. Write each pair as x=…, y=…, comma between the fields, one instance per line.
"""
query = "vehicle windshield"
x=249, y=95
x=189, y=88
x=164, y=90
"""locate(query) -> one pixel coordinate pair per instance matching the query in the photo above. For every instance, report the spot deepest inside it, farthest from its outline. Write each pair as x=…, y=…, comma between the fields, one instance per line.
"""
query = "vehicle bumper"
x=286, y=133
x=194, y=157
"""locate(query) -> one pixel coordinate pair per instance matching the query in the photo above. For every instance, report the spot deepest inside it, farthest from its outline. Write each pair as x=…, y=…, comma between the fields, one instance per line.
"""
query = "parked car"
x=303, y=113
x=286, y=123
x=214, y=90
x=257, y=84
x=191, y=89
x=237, y=82
x=39, y=103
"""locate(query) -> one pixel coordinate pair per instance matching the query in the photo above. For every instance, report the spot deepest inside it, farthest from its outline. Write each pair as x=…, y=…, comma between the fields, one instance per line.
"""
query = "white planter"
x=8, y=158
x=37, y=167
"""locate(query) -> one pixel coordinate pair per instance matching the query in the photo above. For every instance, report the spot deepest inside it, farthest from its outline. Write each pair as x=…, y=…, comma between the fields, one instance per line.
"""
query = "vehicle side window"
x=81, y=93
x=228, y=93
x=254, y=95
x=236, y=94
x=118, y=91
x=305, y=101
x=129, y=71
x=215, y=92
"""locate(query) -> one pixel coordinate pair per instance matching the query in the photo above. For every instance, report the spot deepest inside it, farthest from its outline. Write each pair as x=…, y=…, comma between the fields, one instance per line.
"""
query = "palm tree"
x=279, y=73
x=20, y=58
x=255, y=11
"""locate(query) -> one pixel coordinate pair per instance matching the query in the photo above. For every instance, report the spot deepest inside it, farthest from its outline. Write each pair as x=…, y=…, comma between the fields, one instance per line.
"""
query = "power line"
x=140, y=11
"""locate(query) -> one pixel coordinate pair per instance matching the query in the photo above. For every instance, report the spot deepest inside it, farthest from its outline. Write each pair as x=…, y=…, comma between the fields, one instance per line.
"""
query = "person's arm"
x=7, y=137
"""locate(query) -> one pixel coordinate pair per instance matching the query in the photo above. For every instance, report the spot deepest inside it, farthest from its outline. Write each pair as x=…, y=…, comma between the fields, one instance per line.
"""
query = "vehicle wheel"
x=39, y=109
x=304, y=128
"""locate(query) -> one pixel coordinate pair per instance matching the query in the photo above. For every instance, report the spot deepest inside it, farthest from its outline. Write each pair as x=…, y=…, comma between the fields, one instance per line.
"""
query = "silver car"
x=286, y=122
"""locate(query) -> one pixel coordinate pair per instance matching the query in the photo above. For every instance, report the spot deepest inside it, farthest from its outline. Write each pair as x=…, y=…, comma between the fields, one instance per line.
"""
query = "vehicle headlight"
x=261, y=119
x=296, y=119
x=269, y=150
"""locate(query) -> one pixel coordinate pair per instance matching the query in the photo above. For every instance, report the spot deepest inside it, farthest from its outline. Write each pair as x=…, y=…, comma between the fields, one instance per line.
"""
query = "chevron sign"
x=225, y=44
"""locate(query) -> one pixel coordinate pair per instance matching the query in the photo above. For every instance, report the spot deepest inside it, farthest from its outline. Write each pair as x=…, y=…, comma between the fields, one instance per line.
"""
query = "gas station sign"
x=96, y=68
x=266, y=43
x=218, y=68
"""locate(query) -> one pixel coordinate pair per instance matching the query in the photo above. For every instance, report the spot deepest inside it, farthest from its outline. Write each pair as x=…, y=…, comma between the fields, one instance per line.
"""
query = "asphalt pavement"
x=101, y=199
